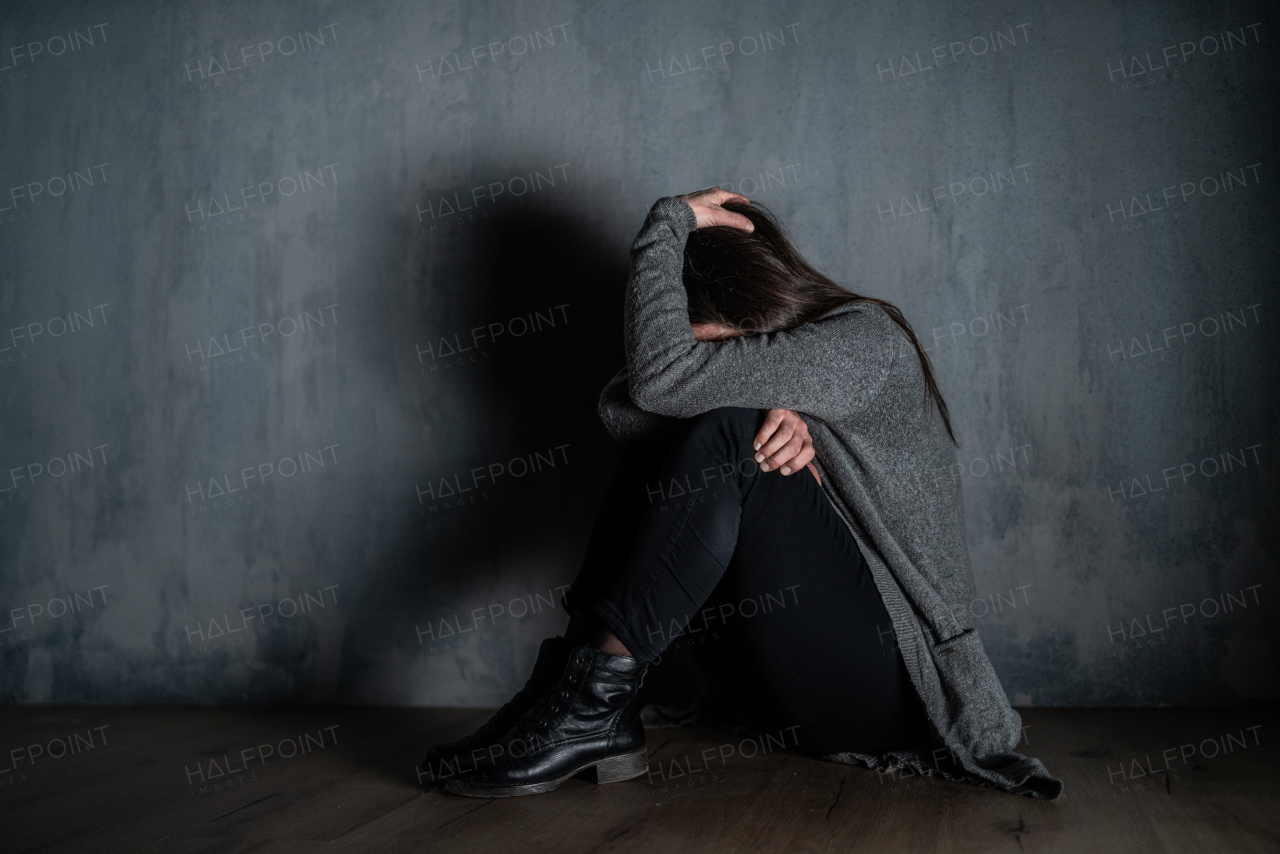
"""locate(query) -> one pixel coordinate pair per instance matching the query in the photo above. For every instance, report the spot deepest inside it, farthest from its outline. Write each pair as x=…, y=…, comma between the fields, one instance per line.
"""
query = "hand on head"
x=706, y=206
x=783, y=442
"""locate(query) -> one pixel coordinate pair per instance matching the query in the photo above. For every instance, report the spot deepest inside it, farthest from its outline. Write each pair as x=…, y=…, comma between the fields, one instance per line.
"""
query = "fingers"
x=785, y=433
x=706, y=206
x=715, y=196
x=697, y=194
x=783, y=442
x=718, y=196
x=771, y=422
x=801, y=460
x=720, y=216
x=793, y=456
x=782, y=458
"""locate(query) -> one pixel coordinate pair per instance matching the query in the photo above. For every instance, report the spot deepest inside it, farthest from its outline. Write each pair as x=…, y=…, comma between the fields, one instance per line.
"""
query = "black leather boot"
x=587, y=719
x=448, y=760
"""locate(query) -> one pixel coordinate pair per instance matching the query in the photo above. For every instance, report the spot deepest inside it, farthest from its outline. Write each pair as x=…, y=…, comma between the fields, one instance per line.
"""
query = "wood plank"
x=359, y=792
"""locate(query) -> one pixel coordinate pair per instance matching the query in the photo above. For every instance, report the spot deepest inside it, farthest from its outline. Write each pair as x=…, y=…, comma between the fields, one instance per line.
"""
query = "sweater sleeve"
x=831, y=368
x=623, y=419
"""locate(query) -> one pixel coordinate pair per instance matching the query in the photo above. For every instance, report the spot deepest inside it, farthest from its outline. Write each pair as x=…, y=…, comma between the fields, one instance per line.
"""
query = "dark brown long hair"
x=757, y=283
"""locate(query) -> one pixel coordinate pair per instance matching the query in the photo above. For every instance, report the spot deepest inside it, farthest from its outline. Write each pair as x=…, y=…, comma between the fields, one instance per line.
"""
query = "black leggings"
x=759, y=577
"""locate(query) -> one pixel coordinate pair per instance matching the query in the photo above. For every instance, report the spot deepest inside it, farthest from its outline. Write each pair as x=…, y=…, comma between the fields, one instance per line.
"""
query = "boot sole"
x=614, y=769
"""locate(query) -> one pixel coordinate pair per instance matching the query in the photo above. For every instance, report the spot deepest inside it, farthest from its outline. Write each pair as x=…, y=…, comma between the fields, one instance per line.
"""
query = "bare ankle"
x=607, y=641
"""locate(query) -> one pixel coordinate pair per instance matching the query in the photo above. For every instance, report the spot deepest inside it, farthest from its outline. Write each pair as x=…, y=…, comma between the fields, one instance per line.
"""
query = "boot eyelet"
x=580, y=662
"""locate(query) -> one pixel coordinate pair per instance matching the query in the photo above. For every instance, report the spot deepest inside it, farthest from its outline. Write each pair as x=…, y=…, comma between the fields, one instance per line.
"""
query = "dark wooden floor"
x=113, y=779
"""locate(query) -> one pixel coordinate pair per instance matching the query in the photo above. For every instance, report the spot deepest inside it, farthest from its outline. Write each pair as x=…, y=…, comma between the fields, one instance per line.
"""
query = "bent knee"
x=730, y=422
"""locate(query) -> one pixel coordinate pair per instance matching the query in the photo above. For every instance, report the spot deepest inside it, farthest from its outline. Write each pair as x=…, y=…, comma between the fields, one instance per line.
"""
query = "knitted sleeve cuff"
x=676, y=211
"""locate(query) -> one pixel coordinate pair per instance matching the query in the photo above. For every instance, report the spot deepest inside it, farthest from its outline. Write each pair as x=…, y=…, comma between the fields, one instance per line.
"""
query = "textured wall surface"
x=246, y=247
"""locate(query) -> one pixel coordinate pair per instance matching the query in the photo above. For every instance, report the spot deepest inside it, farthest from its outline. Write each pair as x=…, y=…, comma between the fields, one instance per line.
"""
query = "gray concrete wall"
x=234, y=236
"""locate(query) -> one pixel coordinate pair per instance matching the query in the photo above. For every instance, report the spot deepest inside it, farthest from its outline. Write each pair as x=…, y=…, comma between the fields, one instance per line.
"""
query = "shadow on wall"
x=535, y=293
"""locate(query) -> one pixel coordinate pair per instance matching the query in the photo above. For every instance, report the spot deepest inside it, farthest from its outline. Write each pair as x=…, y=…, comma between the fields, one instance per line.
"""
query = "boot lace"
x=523, y=696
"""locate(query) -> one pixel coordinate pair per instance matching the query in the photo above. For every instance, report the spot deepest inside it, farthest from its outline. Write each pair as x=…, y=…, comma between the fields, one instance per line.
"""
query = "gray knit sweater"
x=857, y=381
